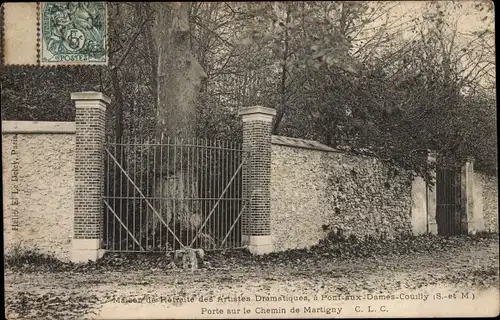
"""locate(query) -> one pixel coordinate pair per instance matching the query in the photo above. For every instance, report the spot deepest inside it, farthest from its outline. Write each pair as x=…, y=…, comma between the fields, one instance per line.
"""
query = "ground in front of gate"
x=467, y=266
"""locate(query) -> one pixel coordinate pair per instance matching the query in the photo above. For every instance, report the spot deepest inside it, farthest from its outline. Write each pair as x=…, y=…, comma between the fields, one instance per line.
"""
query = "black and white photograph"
x=249, y=160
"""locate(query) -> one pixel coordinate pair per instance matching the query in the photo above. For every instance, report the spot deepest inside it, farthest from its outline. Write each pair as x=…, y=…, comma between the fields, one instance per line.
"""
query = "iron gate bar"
x=120, y=204
x=189, y=191
x=154, y=184
x=206, y=152
x=147, y=183
x=193, y=186
x=140, y=183
x=115, y=188
x=168, y=166
x=123, y=225
x=213, y=160
x=142, y=195
x=226, y=156
x=231, y=195
x=135, y=179
x=161, y=187
x=175, y=181
x=127, y=186
x=107, y=188
x=232, y=226
x=218, y=201
x=449, y=201
x=213, y=154
x=217, y=186
x=238, y=190
x=181, y=174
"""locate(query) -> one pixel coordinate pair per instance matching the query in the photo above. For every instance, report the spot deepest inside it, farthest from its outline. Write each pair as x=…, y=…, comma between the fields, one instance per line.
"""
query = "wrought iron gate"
x=450, y=213
x=171, y=194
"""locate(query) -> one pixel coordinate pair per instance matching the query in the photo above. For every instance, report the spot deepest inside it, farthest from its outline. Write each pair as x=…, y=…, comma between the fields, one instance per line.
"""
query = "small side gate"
x=172, y=194
x=450, y=213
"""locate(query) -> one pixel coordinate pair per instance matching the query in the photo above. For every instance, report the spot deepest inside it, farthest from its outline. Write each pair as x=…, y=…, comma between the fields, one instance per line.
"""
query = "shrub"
x=20, y=257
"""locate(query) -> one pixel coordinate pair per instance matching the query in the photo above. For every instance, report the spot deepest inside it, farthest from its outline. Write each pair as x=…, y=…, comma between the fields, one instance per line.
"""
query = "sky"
x=472, y=17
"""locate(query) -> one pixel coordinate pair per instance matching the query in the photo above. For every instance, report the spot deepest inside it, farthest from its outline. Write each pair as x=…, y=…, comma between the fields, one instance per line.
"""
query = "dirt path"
x=72, y=295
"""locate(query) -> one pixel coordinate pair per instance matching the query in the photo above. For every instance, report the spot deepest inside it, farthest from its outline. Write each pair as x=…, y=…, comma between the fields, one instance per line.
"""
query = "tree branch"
x=130, y=44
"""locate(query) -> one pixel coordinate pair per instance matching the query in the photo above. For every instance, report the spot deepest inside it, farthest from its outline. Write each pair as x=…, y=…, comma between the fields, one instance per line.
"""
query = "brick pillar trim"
x=256, y=221
x=432, y=196
x=89, y=175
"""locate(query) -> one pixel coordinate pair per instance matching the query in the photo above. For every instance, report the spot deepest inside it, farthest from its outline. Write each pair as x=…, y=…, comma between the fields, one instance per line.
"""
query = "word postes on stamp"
x=73, y=33
x=55, y=33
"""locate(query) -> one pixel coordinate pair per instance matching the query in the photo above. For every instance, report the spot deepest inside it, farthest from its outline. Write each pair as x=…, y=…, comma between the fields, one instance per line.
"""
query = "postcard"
x=249, y=160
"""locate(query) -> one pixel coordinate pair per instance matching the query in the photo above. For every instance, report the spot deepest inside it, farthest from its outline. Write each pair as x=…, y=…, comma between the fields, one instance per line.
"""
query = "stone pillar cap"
x=90, y=95
x=257, y=110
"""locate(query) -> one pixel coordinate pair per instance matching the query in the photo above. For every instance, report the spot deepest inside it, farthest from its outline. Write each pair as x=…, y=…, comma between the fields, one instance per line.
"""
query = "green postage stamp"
x=73, y=33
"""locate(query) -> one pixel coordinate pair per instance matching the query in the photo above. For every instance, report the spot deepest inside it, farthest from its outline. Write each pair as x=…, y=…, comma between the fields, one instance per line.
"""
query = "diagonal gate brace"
x=218, y=201
x=145, y=199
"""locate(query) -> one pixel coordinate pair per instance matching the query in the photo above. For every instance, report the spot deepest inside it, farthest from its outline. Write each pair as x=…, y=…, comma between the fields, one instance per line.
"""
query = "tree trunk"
x=178, y=80
x=179, y=73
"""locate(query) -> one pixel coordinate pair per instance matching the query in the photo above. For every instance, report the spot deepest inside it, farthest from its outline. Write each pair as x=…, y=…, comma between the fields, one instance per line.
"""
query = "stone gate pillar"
x=432, y=195
x=256, y=220
x=89, y=175
x=423, y=196
x=471, y=221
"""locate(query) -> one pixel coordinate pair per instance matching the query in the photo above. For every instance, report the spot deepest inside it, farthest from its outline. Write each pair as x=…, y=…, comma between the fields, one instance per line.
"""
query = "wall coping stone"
x=301, y=143
x=90, y=95
x=40, y=127
x=257, y=110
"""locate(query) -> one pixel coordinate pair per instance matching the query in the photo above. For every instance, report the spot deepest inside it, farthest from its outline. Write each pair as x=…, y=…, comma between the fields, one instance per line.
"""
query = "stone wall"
x=38, y=169
x=314, y=191
x=486, y=199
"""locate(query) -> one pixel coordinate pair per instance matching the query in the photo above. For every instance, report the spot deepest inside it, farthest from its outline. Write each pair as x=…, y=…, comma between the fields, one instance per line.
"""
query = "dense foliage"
x=390, y=78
